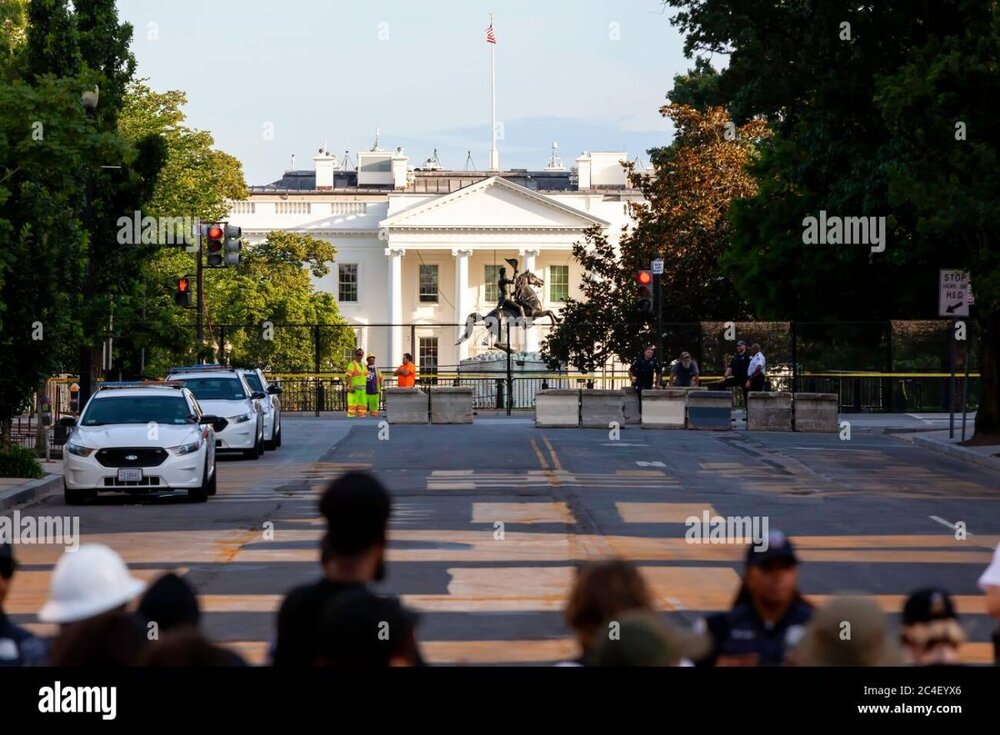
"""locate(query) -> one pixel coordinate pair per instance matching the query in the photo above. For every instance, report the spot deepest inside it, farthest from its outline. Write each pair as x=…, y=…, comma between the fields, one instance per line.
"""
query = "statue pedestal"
x=528, y=370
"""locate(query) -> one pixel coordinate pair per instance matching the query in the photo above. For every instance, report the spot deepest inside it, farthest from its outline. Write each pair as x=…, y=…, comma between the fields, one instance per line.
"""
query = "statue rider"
x=507, y=292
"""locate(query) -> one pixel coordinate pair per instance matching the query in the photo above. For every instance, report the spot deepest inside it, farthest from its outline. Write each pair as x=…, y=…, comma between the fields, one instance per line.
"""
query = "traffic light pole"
x=200, y=308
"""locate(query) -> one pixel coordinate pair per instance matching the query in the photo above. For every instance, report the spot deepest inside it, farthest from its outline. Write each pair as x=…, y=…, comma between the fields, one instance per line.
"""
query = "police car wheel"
x=73, y=497
x=277, y=436
x=200, y=494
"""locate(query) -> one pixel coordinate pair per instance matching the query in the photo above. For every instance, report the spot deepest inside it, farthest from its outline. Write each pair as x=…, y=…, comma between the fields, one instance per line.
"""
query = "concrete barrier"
x=598, y=408
x=631, y=406
x=451, y=405
x=710, y=410
x=769, y=411
x=817, y=412
x=557, y=408
x=406, y=406
x=665, y=409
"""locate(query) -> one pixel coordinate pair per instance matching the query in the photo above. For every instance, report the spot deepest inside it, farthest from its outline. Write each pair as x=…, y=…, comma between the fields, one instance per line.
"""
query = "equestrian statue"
x=518, y=302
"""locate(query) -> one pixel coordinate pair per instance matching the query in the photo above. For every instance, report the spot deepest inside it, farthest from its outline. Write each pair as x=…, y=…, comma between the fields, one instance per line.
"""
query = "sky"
x=271, y=79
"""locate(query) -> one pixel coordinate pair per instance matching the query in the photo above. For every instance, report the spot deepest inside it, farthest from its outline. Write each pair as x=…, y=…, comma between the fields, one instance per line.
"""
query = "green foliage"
x=16, y=461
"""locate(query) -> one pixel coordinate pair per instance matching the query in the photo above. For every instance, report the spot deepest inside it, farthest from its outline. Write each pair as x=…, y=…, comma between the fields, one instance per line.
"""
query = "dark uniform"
x=740, y=368
x=644, y=371
x=741, y=631
x=18, y=647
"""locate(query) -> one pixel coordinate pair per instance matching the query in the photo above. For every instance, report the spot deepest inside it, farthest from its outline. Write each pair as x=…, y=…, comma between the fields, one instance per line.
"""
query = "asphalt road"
x=489, y=520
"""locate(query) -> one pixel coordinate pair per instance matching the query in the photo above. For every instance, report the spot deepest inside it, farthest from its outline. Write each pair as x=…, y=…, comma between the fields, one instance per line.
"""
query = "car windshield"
x=216, y=389
x=254, y=380
x=136, y=410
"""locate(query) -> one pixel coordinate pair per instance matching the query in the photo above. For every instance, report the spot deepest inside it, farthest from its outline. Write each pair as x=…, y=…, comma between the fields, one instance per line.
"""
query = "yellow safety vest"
x=357, y=374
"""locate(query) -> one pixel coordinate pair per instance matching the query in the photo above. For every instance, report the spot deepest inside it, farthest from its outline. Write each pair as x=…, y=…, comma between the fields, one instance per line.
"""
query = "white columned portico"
x=463, y=305
x=531, y=342
x=395, y=293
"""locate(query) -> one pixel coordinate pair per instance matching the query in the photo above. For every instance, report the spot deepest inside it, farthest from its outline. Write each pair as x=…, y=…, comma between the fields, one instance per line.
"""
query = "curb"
x=954, y=452
x=29, y=491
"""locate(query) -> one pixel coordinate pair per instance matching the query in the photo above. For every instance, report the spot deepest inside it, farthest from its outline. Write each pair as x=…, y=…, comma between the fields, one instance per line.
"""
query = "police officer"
x=18, y=647
x=769, y=614
x=645, y=371
x=737, y=374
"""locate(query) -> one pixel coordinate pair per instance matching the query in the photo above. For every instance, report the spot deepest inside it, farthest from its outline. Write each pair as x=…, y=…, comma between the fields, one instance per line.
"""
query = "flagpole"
x=494, y=155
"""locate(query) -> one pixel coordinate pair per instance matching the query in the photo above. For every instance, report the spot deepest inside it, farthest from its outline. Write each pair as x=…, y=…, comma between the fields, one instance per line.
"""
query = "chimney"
x=325, y=165
x=399, y=161
x=583, y=169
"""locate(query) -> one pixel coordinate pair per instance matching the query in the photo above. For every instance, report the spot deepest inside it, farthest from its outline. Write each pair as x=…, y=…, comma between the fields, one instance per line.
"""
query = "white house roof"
x=490, y=204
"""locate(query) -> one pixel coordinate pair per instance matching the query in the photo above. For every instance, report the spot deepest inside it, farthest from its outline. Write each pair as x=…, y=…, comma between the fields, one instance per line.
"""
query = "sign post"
x=656, y=266
x=954, y=297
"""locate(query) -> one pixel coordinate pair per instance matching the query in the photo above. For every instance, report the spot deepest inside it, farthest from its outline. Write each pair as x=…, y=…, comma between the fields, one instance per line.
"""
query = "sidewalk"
x=938, y=441
x=17, y=490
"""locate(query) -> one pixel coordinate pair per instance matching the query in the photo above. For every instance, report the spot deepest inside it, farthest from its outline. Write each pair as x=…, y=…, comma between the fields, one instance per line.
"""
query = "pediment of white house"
x=492, y=204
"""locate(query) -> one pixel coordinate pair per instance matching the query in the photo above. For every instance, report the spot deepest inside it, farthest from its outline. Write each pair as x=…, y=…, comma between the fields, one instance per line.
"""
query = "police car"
x=141, y=438
x=224, y=392
x=270, y=404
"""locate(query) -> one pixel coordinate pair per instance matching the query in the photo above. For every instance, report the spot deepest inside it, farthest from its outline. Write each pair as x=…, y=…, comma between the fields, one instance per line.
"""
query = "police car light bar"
x=113, y=385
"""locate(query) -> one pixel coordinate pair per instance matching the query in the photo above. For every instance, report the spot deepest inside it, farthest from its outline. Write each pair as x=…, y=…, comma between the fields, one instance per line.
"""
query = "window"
x=428, y=283
x=492, y=290
x=558, y=282
x=427, y=356
x=348, y=282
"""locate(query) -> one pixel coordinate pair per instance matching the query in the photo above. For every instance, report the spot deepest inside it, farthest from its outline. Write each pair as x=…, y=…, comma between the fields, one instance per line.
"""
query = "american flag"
x=490, y=36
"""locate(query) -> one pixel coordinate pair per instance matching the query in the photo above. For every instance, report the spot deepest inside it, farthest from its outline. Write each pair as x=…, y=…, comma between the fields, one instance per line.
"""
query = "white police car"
x=270, y=404
x=224, y=392
x=141, y=438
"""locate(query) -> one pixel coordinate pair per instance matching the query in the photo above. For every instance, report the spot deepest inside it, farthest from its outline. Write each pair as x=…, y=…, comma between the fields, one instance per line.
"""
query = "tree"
x=272, y=286
x=813, y=70
x=683, y=220
x=196, y=182
x=940, y=109
x=13, y=35
x=44, y=140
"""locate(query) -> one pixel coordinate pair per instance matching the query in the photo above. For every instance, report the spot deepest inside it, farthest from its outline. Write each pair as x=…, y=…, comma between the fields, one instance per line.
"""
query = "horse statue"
x=525, y=296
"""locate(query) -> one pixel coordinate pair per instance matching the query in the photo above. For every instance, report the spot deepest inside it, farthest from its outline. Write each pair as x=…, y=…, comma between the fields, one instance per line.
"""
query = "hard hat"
x=87, y=582
x=371, y=357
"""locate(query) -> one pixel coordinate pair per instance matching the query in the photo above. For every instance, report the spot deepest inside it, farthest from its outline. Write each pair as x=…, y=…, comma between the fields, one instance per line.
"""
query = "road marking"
x=650, y=464
x=952, y=526
x=622, y=444
x=538, y=453
x=555, y=457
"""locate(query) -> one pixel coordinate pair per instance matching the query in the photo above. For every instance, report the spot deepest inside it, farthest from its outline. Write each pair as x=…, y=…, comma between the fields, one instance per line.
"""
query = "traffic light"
x=215, y=237
x=644, y=298
x=182, y=296
x=233, y=244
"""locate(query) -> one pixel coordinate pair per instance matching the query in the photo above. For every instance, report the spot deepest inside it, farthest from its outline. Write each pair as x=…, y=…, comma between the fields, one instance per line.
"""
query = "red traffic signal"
x=182, y=296
x=644, y=278
x=215, y=237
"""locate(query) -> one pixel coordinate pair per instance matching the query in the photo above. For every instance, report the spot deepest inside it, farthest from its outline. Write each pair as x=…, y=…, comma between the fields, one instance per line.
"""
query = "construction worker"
x=357, y=374
x=373, y=387
x=406, y=373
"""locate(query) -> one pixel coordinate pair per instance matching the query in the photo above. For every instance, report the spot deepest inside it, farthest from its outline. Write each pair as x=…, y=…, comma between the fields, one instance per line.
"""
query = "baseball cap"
x=356, y=507
x=685, y=354
x=927, y=604
x=645, y=640
x=779, y=546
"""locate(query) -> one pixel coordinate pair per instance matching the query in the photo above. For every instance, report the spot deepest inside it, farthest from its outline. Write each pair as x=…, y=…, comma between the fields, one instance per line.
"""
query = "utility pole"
x=200, y=304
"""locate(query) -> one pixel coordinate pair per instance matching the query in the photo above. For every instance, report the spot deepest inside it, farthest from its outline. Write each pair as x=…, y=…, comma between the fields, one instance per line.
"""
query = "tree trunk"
x=988, y=415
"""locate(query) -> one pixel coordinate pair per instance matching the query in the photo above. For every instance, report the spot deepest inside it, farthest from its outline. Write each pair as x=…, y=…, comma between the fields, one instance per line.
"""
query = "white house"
x=419, y=249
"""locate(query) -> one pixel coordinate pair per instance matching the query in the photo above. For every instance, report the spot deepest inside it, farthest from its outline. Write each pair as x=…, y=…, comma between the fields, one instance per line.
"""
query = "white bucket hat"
x=991, y=576
x=87, y=582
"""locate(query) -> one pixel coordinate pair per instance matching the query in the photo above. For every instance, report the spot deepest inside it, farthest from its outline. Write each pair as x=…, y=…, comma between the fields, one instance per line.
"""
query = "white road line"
x=650, y=464
x=952, y=526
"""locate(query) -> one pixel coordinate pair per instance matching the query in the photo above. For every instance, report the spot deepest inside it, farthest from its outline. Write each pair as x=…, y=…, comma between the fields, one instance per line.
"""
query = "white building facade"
x=419, y=250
